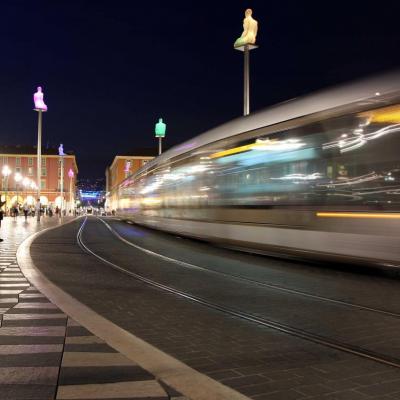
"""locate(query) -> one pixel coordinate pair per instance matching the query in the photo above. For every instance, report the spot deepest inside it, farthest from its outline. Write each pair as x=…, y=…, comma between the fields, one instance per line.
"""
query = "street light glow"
x=6, y=171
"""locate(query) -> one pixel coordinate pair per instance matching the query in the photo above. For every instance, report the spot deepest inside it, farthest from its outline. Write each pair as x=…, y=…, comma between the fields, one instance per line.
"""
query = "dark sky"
x=109, y=69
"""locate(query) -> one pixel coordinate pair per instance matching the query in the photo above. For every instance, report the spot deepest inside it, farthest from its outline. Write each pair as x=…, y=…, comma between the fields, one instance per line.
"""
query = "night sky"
x=109, y=69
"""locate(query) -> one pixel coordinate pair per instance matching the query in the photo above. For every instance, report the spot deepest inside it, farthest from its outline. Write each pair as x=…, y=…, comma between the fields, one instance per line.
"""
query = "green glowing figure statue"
x=160, y=128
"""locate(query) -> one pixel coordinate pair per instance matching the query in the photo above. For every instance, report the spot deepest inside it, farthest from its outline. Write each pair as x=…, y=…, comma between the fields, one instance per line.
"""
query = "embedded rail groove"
x=321, y=340
x=248, y=280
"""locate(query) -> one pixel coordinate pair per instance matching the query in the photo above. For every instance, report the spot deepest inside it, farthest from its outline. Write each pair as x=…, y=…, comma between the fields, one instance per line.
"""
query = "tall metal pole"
x=246, y=81
x=70, y=194
x=39, y=153
x=6, y=185
x=62, y=185
x=159, y=145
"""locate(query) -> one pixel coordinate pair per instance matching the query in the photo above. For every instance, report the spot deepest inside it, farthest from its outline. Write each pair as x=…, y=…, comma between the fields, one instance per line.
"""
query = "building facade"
x=18, y=185
x=120, y=169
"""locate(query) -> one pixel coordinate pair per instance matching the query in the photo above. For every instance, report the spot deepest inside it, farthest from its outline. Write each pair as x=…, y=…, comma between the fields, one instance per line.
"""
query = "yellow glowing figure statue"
x=250, y=27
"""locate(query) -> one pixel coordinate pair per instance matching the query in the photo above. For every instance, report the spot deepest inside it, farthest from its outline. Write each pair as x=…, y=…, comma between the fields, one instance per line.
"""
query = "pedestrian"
x=15, y=211
x=38, y=209
x=26, y=210
x=1, y=213
x=50, y=210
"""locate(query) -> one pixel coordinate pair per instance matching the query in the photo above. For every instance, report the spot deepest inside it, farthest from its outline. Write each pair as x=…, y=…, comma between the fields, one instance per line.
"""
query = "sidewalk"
x=44, y=354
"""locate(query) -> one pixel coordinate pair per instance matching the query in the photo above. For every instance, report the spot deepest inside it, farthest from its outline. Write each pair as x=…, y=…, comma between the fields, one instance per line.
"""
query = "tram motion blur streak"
x=358, y=215
x=278, y=180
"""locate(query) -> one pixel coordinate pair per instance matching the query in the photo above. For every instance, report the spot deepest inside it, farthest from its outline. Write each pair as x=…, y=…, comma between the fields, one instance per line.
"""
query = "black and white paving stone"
x=46, y=355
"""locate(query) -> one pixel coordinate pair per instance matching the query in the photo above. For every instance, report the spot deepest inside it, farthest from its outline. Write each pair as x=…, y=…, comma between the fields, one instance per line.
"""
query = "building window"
x=30, y=161
x=44, y=171
x=30, y=171
x=5, y=160
x=144, y=162
x=18, y=161
x=43, y=184
x=43, y=162
x=18, y=170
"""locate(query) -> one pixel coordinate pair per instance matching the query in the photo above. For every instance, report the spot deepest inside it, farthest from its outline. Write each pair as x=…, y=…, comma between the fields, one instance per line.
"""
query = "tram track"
x=284, y=328
x=248, y=280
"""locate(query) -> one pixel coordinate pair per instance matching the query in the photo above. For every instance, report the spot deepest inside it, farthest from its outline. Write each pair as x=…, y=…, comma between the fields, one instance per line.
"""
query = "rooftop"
x=23, y=149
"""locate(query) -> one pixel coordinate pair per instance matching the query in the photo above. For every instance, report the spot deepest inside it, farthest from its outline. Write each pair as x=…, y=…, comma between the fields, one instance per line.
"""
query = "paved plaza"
x=44, y=354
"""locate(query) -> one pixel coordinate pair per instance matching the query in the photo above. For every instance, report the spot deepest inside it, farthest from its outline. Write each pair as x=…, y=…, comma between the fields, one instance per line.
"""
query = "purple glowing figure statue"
x=38, y=99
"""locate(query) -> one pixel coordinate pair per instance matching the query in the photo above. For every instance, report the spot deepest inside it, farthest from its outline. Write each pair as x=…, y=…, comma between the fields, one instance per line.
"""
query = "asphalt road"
x=258, y=361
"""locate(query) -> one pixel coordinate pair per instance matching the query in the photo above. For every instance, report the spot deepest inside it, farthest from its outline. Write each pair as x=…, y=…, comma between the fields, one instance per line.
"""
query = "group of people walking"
x=32, y=210
x=28, y=210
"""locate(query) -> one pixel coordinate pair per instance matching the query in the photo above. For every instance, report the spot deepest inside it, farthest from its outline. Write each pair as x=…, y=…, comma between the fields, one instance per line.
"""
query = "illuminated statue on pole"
x=250, y=27
x=61, y=150
x=38, y=100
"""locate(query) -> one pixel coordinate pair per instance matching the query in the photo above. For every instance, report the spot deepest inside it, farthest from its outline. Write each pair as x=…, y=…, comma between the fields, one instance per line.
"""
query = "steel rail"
x=248, y=280
x=321, y=340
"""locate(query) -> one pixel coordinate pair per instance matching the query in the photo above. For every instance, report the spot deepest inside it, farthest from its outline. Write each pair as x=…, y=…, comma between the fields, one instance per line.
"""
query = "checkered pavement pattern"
x=44, y=354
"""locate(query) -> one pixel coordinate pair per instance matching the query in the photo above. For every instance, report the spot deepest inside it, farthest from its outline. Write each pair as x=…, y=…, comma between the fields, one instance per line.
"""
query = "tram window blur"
x=344, y=161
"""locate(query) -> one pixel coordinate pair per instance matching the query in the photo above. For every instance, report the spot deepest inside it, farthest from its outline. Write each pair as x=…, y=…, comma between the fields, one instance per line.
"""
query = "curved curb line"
x=181, y=377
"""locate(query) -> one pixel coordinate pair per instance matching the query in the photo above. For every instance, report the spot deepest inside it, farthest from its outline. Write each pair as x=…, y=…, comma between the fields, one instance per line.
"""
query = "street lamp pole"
x=71, y=176
x=62, y=183
x=6, y=171
x=18, y=179
x=61, y=154
x=26, y=182
x=40, y=107
x=246, y=76
x=39, y=153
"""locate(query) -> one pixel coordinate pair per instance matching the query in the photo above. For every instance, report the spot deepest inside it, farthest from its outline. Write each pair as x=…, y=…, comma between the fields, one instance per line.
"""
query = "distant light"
x=18, y=177
x=89, y=194
x=71, y=173
x=377, y=94
x=6, y=171
x=344, y=135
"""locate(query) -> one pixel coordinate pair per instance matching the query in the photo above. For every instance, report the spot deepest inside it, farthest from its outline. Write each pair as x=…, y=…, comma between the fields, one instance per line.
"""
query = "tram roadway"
x=257, y=361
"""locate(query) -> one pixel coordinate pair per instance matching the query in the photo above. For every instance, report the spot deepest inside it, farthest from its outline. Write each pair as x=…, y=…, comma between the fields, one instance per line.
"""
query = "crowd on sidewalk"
x=27, y=210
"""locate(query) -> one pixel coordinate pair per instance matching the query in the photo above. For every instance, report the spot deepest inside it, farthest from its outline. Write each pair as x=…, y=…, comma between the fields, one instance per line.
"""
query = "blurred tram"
x=315, y=177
